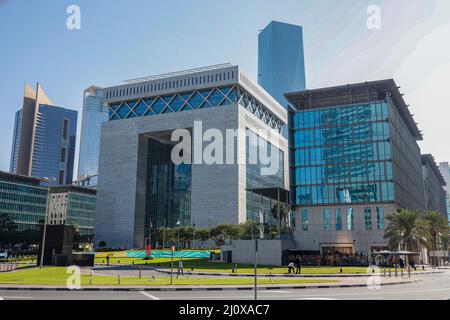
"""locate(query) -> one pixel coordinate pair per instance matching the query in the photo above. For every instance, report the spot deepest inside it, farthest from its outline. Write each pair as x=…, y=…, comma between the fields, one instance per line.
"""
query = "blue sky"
x=125, y=39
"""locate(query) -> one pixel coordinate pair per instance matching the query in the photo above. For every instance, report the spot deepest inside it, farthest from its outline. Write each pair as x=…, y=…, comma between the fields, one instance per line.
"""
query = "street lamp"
x=47, y=206
x=178, y=239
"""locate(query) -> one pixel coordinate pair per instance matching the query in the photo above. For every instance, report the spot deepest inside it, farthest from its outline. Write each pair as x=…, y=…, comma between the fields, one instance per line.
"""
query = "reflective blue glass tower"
x=94, y=114
x=281, y=62
x=44, y=139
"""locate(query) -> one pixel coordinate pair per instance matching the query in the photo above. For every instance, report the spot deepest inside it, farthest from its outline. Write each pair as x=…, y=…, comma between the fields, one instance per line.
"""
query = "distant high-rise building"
x=94, y=114
x=281, y=62
x=433, y=183
x=445, y=170
x=44, y=139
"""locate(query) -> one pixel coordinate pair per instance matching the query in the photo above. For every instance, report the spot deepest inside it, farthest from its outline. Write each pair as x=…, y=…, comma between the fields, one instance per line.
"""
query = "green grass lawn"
x=59, y=276
x=204, y=265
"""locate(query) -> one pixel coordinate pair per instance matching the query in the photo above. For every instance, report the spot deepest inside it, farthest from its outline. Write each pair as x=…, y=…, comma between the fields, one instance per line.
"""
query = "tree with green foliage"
x=436, y=225
x=405, y=230
x=223, y=232
x=6, y=223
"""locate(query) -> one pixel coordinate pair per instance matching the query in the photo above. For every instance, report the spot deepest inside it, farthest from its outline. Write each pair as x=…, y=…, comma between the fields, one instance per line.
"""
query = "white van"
x=3, y=255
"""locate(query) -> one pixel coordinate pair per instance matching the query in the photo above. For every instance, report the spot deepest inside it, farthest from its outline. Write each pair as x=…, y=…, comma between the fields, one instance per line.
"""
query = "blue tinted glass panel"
x=158, y=106
x=141, y=108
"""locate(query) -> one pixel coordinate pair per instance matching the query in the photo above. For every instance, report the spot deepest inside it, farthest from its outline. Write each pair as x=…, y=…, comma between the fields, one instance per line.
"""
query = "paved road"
x=434, y=287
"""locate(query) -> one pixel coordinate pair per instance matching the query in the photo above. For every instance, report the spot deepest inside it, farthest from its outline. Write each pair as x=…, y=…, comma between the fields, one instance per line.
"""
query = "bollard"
x=140, y=272
x=390, y=273
x=384, y=272
x=396, y=272
x=409, y=272
x=118, y=278
x=90, y=278
x=401, y=272
x=342, y=271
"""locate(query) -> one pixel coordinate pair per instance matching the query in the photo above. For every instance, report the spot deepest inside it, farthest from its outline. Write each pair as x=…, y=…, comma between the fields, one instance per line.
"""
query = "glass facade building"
x=94, y=114
x=281, y=62
x=44, y=139
x=73, y=206
x=342, y=156
x=54, y=146
x=354, y=159
x=23, y=200
x=444, y=167
x=255, y=180
x=168, y=188
x=434, y=184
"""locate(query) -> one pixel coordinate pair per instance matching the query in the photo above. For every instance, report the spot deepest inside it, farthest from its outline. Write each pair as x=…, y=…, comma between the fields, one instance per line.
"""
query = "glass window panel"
x=326, y=219
x=368, y=218
x=305, y=220
x=338, y=218
x=380, y=218
x=350, y=220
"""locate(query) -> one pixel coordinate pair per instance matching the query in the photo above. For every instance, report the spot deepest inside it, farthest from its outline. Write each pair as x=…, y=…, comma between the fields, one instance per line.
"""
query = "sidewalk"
x=362, y=275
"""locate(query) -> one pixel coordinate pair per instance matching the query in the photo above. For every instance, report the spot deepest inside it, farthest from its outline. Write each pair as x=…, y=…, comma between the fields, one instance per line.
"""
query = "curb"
x=241, y=288
x=337, y=275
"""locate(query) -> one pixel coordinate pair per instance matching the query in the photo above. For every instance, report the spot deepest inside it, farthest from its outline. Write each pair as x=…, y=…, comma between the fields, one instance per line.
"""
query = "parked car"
x=4, y=255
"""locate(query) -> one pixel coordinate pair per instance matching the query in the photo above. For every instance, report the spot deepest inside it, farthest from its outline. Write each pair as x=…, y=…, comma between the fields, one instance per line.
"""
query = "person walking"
x=298, y=265
x=180, y=267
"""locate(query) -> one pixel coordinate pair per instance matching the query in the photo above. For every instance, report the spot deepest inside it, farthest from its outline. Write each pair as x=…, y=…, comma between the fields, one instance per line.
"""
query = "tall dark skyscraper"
x=44, y=139
x=281, y=62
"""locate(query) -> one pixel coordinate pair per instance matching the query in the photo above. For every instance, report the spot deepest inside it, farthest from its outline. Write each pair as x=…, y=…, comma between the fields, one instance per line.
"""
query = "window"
x=368, y=218
x=380, y=218
x=338, y=219
x=61, y=177
x=326, y=219
x=305, y=220
x=65, y=129
x=350, y=220
x=63, y=154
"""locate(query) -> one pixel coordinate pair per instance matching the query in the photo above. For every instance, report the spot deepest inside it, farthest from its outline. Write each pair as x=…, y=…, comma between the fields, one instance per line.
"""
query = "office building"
x=44, y=139
x=281, y=62
x=94, y=114
x=355, y=160
x=434, y=183
x=23, y=199
x=140, y=186
x=73, y=206
x=445, y=171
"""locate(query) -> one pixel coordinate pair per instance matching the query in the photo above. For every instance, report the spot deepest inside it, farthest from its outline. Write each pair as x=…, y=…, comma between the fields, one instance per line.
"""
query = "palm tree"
x=437, y=225
x=405, y=230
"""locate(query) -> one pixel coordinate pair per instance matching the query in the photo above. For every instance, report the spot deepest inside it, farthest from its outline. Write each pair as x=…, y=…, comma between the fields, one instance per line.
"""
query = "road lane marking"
x=148, y=295
x=324, y=299
x=390, y=293
x=16, y=298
